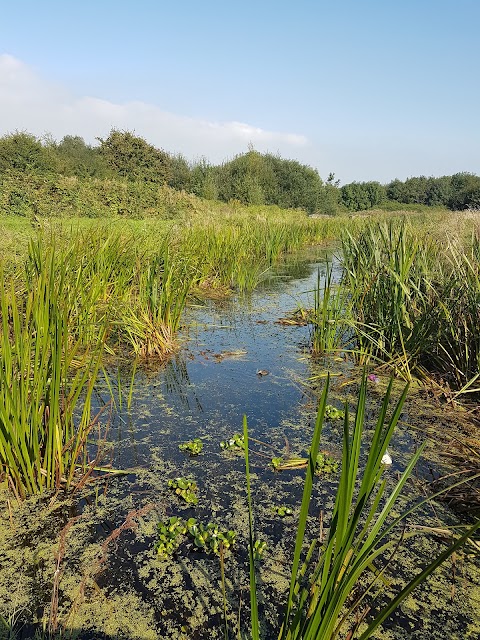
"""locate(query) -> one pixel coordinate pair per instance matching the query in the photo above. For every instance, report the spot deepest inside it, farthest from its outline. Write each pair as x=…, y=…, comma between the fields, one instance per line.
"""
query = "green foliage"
x=363, y=531
x=47, y=377
x=194, y=447
x=413, y=308
x=282, y=511
x=333, y=413
x=259, y=547
x=131, y=157
x=209, y=538
x=76, y=158
x=457, y=192
x=323, y=463
x=123, y=159
x=255, y=178
x=359, y=196
x=185, y=489
x=169, y=536
x=235, y=443
x=330, y=317
x=464, y=191
x=326, y=464
x=180, y=177
x=21, y=152
x=204, y=180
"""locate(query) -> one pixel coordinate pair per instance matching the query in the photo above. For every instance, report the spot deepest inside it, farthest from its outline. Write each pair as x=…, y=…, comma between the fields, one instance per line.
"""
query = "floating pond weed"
x=194, y=447
x=209, y=538
x=235, y=443
x=185, y=489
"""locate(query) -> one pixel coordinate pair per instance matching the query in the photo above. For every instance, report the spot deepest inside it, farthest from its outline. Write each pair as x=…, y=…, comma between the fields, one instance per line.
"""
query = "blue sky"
x=371, y=90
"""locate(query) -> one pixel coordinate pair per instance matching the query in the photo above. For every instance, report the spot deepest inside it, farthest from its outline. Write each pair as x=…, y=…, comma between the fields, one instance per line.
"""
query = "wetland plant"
x=330, y=318
x=235, y=443
x=47, y=377
x=185, y=489
x=333, y=413
x=259, y=547
x=365, y=531
x=413, y=307
x=194, y=447
x=209, y=538
x=324, y=463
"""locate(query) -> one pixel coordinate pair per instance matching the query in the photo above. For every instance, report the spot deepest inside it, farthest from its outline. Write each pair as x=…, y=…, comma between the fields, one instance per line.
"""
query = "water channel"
x=111, y=579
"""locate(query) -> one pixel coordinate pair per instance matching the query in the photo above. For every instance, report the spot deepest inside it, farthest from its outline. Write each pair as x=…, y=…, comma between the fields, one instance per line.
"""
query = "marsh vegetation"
x=130, y=351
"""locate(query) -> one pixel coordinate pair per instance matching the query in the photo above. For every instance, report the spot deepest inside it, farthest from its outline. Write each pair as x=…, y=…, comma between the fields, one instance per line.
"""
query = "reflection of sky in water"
x=206, y=390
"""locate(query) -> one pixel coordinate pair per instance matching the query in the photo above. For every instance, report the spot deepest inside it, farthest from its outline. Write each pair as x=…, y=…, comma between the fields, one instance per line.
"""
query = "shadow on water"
x=112, y=583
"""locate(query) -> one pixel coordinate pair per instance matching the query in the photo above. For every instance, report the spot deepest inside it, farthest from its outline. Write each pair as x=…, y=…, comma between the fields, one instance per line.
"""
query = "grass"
x=45, y=375
x=330, y=318
x=415, y=304
x=365, y=531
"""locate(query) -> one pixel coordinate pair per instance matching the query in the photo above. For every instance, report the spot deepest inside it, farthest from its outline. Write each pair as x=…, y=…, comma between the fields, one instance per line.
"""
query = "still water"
x=113, y=584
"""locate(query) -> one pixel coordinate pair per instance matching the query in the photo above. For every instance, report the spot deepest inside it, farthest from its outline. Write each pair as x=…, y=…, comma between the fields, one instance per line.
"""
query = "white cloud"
x=30, y=103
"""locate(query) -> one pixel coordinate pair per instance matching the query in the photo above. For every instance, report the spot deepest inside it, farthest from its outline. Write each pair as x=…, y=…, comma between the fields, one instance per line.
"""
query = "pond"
x=89, y=563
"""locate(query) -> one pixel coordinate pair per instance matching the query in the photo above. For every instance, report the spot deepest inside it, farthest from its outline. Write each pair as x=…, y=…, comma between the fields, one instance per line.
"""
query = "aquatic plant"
x=330, y=318
x=282, y=511
x=185, y=489
x=324, y=463
x=209, y=538
x=360, y=534
x=333, y=413
x=235, y=443
x=169, y=536
x=259, y=547
x=47, y=377
x=194, y=447
x=415, y=307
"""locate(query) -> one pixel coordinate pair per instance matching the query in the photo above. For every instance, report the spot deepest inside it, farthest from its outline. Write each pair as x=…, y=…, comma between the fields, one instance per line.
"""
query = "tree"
x=359, y=196
x=465, y=191
x=23, y=152
x=76, y=158
x=180, y=173
x=130, y=156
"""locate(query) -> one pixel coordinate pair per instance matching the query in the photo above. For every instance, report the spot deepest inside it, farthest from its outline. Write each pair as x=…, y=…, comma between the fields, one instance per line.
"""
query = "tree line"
x=250, y=178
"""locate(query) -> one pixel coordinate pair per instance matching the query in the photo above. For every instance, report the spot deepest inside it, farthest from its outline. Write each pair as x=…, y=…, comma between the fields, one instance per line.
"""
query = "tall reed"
x=364, y=531
x=415, y=304
x=330, y=319
x=149, y=317
x=46, y=383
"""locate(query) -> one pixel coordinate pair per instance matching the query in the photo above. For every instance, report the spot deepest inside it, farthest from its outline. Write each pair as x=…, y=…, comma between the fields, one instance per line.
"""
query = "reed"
x=150, y=316
x=46, y=382
x=415, y=303
x=364, y=531
x=330, y=319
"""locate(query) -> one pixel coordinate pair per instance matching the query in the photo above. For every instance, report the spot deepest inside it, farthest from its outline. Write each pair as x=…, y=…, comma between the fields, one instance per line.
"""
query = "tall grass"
x=365, y=531
x=330, y=319
x=46, y=382
x=149, y=316
x=415, y=303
